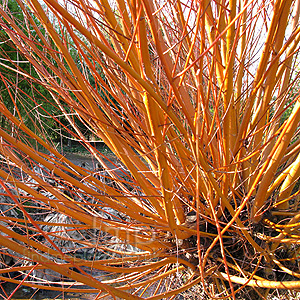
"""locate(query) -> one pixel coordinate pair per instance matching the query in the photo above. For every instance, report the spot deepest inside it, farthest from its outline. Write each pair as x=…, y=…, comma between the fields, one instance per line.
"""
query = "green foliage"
x=21, y=89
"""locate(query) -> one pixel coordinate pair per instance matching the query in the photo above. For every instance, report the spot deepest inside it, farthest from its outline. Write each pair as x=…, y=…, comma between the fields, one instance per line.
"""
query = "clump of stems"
x=198, y=101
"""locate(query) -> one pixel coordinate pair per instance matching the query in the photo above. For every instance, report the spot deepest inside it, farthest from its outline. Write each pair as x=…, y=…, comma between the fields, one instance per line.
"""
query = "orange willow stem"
x=145, y=84
x=166, y=181
x=286, y=285
x=62, y=270
x=275, y=157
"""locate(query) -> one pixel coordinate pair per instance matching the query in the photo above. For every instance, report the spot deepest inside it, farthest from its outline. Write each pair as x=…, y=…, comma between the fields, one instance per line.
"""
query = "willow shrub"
x=198, y=101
